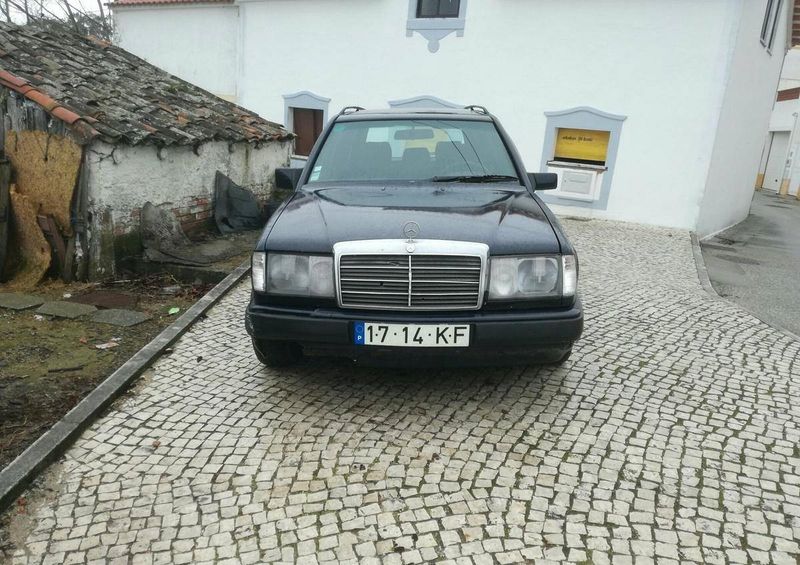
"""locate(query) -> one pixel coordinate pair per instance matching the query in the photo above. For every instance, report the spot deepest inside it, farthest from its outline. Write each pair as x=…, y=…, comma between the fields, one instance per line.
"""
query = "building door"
x=307, y=124
x=776, y=161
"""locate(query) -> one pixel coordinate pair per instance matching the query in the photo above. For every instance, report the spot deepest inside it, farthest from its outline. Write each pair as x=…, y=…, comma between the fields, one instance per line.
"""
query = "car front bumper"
x=528, y=333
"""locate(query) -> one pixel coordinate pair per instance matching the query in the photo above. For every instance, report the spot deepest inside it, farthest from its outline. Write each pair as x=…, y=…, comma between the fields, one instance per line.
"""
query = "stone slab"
x=118, y=317
x=62, y=309
x=107, y=299
x=19, y=301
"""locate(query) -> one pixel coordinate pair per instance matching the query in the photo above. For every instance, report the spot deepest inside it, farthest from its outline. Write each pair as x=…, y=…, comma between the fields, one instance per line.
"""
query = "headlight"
x=299, y=275
x=532, y=277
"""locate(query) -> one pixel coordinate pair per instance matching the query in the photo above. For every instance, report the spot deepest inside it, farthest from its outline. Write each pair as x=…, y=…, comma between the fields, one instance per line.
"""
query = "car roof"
x=411, y=113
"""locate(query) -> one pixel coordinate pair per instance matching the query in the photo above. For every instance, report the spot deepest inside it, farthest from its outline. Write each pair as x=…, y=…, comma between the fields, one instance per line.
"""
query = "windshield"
x=383, y=150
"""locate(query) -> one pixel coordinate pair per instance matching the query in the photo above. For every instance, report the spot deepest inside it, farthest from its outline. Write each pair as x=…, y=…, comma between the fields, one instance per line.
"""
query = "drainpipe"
x=787, y=170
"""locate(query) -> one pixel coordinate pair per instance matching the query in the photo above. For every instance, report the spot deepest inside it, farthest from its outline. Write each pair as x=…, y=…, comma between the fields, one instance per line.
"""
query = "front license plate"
x=412, y=335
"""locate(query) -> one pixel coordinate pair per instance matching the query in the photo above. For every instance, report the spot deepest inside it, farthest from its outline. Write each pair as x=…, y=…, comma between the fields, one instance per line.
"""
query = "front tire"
x=277, y=353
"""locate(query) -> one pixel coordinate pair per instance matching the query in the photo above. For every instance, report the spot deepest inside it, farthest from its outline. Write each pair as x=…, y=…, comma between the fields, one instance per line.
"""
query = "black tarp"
x=235, y=208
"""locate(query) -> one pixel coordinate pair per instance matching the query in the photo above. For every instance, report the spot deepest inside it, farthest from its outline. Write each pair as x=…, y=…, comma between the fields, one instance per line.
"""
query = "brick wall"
x=195, y=215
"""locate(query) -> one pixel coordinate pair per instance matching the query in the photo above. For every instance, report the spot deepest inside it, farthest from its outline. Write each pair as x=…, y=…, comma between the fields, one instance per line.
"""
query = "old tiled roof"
x=103, y=91
x=118, y=3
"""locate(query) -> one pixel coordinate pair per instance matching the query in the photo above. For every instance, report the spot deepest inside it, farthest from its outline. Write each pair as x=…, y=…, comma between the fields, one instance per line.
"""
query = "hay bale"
x=32, y=257
x=46, y=168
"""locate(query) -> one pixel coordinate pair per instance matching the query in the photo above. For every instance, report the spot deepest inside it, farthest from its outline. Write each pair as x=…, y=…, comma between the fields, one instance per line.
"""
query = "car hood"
x=509, y=220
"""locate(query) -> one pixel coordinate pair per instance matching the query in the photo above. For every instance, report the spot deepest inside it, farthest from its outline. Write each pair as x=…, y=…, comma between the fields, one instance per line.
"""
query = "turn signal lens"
x=259, y=271
x=569, y=267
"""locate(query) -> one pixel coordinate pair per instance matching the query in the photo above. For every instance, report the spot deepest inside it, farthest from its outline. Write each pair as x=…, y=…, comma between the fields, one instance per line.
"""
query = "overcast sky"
x=57, y=7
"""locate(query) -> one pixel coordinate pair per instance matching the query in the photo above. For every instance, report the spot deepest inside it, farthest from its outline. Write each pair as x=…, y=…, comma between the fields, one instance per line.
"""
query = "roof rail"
x=477, y=109
x=350, y=110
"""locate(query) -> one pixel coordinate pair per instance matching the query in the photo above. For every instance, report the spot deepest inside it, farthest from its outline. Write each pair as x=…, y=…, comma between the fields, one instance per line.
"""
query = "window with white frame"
x=769, y=27
x=436, y=19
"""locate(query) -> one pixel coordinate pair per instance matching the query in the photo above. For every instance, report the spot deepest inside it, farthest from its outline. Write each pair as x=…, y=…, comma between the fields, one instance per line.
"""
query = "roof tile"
x=103, y=91
x=67, y=116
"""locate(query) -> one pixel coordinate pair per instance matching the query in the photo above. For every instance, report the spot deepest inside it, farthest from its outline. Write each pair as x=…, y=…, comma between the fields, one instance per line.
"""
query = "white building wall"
x=661, y=64
x=794, y=166
x=746, y=108
x=783, y=119
x=197, y=43
x=690, y=77
x=782, y=116
x=790, y=74
x=179, y=179
x=786, y=118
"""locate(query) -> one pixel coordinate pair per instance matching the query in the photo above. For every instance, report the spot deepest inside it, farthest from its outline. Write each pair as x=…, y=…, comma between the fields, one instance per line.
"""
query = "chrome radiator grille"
x=410, y=281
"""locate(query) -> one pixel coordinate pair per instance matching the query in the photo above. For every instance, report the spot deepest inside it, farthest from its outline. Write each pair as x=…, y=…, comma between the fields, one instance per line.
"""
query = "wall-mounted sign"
x=581, y=146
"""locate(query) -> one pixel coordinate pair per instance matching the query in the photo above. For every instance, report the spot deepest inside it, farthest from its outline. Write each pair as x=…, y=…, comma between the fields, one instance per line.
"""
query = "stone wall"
x=122, y=179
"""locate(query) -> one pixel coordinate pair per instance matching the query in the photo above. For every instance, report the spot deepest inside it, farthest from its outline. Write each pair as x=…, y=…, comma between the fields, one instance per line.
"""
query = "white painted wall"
x=745, y=115
x=782, y=118
x=120, y=186
x=794, y=165
x=790, y=155
x=782, y=122
x=197, y=43
x=602, y=54
x=667, y=66
x=790, y=74
x=776, y=160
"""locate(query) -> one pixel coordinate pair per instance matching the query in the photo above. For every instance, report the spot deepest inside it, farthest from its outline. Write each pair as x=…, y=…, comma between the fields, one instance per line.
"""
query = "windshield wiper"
x=475, y=178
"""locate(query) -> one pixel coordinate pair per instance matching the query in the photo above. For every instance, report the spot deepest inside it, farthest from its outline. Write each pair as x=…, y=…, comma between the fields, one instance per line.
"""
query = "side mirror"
x=287, y=178
x=543, y=181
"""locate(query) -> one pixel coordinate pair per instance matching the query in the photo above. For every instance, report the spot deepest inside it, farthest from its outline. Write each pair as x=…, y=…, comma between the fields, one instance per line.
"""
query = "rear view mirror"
x=543, y=181
x=287, y=178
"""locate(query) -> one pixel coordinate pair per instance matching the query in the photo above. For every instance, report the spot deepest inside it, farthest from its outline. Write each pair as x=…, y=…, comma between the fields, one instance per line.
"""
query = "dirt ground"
x=48, y=365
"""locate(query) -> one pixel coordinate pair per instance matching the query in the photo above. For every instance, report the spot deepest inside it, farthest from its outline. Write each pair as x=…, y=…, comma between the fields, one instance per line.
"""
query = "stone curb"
x=700, y=264
x=54, y=442
x=705, y=282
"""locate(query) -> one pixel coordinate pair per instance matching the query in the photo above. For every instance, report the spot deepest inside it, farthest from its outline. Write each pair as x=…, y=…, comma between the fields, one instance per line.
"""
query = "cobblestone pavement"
x=671, y=435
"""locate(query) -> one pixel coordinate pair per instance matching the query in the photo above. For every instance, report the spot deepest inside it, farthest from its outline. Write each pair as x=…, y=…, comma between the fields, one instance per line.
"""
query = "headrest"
x=416, y=154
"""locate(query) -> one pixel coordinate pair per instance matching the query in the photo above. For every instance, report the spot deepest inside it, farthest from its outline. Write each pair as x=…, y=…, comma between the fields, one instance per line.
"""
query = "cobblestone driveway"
x=672, y=434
